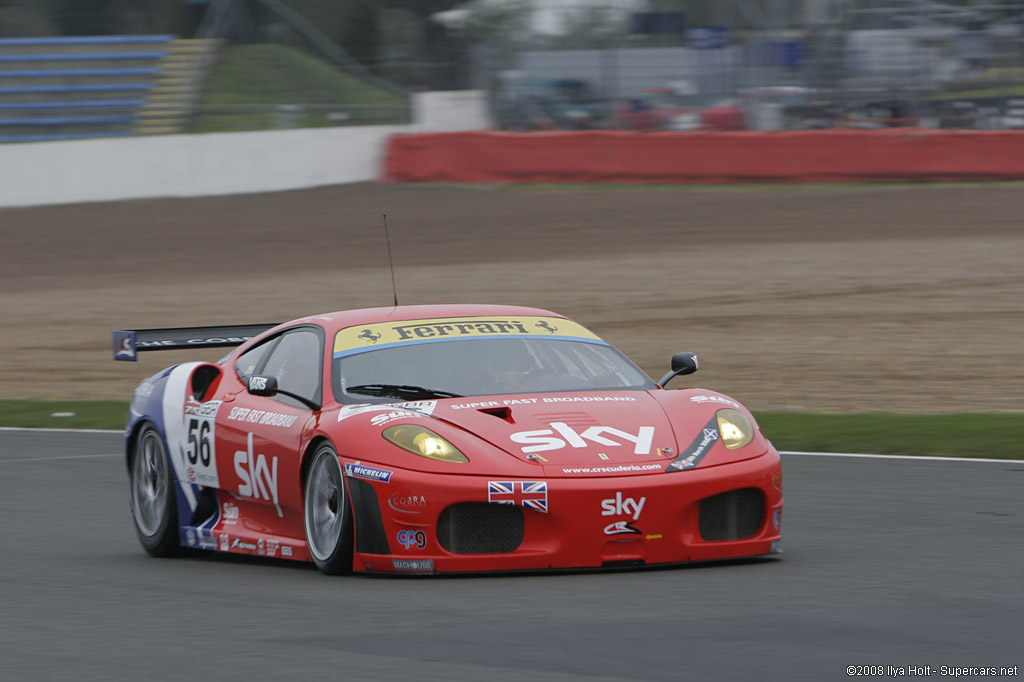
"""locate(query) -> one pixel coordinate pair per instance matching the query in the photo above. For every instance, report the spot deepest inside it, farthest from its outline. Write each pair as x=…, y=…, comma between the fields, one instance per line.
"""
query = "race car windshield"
x=472, y=367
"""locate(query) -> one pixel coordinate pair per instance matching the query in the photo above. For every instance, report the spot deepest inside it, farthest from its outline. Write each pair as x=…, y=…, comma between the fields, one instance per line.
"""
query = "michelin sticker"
x=357, y=470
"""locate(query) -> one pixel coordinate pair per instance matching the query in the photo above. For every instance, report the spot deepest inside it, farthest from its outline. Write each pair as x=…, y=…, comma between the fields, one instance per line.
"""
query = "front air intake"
x=480, y=528
x=734, y=515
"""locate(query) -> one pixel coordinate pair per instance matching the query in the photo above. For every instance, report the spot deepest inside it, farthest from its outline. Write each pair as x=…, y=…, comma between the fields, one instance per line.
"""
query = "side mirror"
x=267, y=388
x=264, y=386
x=682, y=363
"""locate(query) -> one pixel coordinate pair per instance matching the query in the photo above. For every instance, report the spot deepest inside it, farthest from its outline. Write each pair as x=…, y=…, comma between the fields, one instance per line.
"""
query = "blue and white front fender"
x=160, y=400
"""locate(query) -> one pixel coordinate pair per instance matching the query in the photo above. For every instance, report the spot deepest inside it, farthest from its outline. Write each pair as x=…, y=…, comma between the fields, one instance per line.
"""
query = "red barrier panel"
x=912, y=154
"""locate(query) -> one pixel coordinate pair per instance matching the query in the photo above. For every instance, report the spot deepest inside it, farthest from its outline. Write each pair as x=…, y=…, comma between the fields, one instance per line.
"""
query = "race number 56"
x=200, y=442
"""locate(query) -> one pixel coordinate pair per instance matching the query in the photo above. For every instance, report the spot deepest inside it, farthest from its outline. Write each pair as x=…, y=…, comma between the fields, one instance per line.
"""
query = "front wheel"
x=152, y=494
x=327, y=513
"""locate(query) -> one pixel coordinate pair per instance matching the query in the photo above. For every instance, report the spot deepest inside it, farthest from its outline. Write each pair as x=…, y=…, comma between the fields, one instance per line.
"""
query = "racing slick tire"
x=327, y=513
x=152, y=494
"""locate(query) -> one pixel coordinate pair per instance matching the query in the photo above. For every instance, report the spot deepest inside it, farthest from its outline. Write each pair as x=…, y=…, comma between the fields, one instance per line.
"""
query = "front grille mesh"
x=734, y=515
x=480, y=528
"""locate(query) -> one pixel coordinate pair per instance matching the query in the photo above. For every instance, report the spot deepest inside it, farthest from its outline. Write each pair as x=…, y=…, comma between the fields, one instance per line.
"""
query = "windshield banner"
x=382, y=334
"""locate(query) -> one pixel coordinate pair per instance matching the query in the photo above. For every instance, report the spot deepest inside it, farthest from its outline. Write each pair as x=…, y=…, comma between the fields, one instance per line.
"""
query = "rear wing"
x=127, y=344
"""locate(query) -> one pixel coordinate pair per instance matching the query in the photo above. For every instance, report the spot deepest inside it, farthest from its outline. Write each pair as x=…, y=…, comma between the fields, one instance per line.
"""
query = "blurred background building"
x=79, y=68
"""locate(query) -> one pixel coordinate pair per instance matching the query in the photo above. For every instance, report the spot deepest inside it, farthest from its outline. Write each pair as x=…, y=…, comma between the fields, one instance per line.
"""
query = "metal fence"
x=751, y=64
x=829, y=63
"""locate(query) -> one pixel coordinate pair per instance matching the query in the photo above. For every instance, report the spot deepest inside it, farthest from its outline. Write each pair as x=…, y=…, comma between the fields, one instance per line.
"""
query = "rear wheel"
x=327, y=513
x=152, y=494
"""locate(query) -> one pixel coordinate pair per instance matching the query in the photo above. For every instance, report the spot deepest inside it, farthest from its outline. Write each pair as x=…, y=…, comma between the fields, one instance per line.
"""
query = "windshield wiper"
x=399, y=391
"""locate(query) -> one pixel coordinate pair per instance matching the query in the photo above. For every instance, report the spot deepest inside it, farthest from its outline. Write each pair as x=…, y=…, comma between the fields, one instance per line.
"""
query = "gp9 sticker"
x=199, y=451
x=412, y=538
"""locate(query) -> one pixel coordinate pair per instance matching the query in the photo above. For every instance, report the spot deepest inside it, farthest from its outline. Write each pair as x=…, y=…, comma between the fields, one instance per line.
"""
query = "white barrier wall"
x=43, y=173
x=112, y=169
x=442, y=112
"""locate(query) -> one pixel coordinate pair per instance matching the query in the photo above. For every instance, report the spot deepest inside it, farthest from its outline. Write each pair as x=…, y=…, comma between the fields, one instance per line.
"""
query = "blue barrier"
x=82, y=87
x=46, y=137
x=81, y=73
x=76, y=104
x=59, y=101
x=69, y=121
x=82, y=56
x=86, y=40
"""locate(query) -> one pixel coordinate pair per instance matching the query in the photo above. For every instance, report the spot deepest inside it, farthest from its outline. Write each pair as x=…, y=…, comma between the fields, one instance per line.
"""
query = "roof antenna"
x=391, y=261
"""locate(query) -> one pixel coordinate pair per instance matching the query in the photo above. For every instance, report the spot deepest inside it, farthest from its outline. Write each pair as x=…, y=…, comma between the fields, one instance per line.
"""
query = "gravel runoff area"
x=839, y=298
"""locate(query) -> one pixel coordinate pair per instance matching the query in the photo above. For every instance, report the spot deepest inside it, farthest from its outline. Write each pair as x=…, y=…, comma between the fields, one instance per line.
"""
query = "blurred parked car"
x=786, y=107
x=549, y=104
x=666, y=109
x=979, y=113
x=894, y=113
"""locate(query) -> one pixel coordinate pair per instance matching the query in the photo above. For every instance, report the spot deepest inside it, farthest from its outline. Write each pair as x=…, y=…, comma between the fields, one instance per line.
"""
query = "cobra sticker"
x=199, y=449
x=359, y=339
x=407, y=504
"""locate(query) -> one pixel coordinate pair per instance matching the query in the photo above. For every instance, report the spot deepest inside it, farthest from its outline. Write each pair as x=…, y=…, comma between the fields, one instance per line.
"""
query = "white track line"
x=49, y=430
x=912, y=457
x=47, y=459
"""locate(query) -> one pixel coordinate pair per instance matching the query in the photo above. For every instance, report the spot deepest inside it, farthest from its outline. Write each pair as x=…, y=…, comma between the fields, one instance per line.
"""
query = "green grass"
x=997, y=436
x=84, y=414
x=981, y=93
x=248, y=84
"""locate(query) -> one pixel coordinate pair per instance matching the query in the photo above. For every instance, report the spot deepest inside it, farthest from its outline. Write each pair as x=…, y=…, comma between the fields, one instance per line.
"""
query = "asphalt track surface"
x=888, y=562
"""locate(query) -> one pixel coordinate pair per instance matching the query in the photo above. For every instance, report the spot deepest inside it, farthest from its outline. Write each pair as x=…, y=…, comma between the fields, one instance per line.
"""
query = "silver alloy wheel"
x=325, y=504
x=150, y=484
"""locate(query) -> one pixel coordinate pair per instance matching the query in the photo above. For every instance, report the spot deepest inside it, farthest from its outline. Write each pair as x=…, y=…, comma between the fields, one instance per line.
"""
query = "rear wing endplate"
x=127, y=344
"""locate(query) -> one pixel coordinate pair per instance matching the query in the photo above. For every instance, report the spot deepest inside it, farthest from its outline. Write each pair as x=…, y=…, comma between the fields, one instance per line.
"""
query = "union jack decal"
x=532, y=494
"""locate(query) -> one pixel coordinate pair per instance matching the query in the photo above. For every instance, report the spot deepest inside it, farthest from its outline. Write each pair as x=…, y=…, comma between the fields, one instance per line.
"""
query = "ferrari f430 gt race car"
x=437, y=439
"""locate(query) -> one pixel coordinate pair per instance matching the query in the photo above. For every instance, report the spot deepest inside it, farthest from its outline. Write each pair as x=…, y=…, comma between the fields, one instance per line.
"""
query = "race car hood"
x=613, y=433
x=600, y=430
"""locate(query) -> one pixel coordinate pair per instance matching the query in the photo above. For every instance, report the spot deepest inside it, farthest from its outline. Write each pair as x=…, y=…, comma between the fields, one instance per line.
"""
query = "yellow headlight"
x=735, y=428
x=423, y=442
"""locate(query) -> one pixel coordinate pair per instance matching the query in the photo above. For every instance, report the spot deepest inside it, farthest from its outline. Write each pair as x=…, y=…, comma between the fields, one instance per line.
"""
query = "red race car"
x=438, y=439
